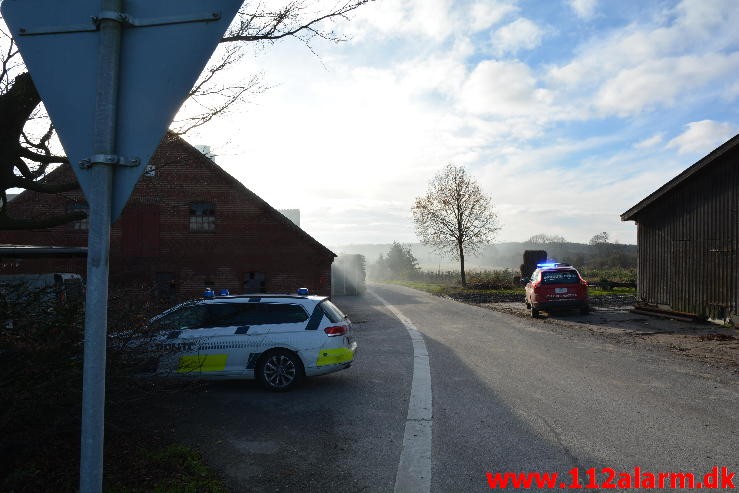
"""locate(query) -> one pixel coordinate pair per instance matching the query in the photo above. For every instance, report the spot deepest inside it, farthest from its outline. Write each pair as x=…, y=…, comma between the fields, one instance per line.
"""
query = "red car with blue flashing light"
x=556, y=286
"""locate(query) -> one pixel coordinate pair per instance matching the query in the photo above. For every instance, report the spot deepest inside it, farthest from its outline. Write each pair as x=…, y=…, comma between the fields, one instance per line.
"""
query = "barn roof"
x=706, y=161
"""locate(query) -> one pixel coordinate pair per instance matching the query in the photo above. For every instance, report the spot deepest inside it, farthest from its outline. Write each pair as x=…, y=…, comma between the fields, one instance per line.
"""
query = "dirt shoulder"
x=612, y=317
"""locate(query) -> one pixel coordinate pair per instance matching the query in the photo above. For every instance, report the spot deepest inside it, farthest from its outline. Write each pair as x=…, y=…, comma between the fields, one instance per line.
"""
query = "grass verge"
x=171, y=469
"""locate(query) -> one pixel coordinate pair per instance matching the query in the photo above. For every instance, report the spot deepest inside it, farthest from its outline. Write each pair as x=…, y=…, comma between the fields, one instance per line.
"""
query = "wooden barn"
x=688, y=233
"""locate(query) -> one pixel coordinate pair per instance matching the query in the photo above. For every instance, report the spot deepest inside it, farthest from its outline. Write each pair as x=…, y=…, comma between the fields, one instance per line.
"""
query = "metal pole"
x=96, y=302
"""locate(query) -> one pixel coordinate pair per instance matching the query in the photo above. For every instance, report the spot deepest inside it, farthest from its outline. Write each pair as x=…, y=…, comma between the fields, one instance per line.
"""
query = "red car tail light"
x=335, y=330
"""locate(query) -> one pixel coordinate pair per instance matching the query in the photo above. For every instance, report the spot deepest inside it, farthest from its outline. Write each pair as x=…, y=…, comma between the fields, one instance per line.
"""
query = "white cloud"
x=556, y=208
x=656, y=61
x=504, y=89
x=709, y=19
x=443, y=73
x=702, y=137
x=434, y=18
x=352, y=138
x=661, y=82
x=650, y=142
x=488, y=13
x=521, y=34
x=430, y=19
x=378, y=19
x=732, y=91
x=585, y=9
x=599, y=59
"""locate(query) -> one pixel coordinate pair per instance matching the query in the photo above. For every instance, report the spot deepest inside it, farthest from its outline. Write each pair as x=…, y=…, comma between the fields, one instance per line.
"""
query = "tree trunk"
x=461, y=264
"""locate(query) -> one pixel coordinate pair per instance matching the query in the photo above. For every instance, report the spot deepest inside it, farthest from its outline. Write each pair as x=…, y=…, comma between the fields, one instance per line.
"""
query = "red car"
x=556, y=286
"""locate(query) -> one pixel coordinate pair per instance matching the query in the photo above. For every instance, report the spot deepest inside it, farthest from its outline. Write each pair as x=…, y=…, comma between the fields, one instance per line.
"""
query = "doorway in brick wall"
x=255, y=282
x=165, y=286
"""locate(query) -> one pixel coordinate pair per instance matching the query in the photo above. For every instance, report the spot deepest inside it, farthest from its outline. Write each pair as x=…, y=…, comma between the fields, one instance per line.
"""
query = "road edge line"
x=414, y=467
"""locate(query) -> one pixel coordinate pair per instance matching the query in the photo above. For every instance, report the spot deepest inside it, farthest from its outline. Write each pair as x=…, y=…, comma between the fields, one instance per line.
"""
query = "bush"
x=618, y=274
x=486, y=279
x=41, y=385
x=492, y=279
x=448, y=277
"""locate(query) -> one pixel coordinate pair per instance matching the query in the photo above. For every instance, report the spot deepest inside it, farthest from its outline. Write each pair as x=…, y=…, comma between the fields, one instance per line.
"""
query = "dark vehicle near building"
x=556, y=287
x=32, y=296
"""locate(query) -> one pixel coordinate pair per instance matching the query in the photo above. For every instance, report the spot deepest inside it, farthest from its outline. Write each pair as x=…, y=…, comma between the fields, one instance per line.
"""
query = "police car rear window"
x=560, y=277
x=332, y=312
x=228, y=314
x=278, y=313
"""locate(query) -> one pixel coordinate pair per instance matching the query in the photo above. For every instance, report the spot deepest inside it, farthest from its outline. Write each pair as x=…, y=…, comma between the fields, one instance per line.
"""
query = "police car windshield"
x=559, y=277
x=332, y=312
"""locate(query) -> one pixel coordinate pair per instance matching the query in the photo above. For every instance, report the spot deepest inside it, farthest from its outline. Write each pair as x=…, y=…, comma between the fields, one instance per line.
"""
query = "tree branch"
x=42, y=158
x=274, y=30
x=41, y=187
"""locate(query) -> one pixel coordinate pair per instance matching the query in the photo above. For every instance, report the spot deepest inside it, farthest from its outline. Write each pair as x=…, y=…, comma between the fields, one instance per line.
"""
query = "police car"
x=277, y=339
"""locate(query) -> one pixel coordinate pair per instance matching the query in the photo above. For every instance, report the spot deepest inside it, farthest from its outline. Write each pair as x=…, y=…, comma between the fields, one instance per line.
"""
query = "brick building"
x=188, y=225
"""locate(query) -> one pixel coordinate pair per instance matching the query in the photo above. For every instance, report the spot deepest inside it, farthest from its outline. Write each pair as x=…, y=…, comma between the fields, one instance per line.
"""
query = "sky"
x=567, y=112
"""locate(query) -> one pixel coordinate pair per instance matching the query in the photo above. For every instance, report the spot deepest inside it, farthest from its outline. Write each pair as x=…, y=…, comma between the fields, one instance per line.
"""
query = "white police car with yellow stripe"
x=277, y=339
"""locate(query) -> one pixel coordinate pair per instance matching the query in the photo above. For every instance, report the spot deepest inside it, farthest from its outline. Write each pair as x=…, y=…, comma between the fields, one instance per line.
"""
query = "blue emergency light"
x=303, y=291
x=551, y=265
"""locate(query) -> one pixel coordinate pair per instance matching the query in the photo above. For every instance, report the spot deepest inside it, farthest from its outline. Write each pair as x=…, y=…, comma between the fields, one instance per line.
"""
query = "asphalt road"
x=509, y=394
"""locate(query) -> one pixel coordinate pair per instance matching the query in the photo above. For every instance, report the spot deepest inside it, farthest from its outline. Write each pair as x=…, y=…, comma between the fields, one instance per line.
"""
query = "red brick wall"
x=153, y=235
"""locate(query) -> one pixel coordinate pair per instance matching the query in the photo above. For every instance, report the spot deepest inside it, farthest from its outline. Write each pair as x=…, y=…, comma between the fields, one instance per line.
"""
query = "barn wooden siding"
x=688, y=242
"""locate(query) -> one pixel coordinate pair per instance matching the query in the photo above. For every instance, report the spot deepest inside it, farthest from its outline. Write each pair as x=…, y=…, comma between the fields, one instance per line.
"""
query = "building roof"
x=177, y=140
x=171, y=139
x=708, y=160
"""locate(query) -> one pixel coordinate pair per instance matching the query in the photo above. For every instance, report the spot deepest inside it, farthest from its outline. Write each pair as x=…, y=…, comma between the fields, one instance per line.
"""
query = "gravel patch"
x=611, y=317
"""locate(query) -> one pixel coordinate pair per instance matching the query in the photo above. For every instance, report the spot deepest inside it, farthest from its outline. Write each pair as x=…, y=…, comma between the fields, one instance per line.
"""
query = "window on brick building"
x=202, y=217
x=80, y=224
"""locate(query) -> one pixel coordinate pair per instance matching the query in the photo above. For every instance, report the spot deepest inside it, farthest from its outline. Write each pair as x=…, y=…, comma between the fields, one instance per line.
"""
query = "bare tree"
x=455, y=215
x=29, y=149
x=599, y=239
x=545, y=239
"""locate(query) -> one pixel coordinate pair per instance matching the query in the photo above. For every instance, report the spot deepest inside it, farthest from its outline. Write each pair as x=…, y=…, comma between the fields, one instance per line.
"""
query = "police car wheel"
x=279, y=370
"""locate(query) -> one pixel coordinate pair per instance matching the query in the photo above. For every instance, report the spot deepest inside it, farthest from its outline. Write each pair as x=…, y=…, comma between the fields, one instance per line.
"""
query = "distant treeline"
x=509, y=255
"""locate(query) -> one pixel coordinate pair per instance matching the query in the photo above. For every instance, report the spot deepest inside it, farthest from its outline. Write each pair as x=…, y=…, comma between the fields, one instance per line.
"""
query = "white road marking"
x=414, y=468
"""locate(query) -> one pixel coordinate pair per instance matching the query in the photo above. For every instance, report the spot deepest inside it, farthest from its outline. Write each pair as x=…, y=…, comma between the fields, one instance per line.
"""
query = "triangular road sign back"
x=164, y=47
